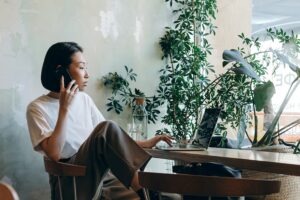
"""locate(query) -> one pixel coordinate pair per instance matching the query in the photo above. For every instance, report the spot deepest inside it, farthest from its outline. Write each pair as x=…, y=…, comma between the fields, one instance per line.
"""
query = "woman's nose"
x=86, y=75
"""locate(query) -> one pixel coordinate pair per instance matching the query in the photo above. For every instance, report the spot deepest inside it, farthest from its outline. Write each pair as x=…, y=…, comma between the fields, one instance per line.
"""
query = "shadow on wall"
x=20, y=166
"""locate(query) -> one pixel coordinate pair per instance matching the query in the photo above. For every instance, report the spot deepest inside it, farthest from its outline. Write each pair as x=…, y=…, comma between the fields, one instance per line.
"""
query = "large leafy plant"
x=185, y=48
x=233, y=92
x=261, y=94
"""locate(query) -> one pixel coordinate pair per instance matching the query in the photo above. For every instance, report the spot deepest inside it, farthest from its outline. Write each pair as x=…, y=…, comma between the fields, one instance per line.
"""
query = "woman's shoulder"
x=83, y=95
x=41, y=101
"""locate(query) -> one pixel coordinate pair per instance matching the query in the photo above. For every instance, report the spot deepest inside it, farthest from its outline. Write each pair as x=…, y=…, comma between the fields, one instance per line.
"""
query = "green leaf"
x=286, y=60
x=263, y=94
x=247, y=71
x=224, y=63
x=245, y=68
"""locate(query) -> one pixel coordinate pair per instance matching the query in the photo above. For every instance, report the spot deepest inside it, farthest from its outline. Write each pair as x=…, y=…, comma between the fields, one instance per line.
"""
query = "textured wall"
x=114, y=33
x=233, y=18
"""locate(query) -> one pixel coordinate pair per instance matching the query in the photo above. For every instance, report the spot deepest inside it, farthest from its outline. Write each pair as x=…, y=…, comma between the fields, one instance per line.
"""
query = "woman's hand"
x=153, y=141
x=67, y=94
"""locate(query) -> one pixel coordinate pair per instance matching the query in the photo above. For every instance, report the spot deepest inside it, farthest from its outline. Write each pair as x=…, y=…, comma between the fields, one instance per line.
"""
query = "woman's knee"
x=107, y=124
x=108, y=127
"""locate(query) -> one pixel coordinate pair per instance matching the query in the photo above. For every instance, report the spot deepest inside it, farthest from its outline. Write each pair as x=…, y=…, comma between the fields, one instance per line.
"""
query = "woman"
x=65, y=125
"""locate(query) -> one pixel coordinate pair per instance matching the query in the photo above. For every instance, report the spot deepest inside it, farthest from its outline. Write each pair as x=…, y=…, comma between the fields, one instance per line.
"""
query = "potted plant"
x=123, y=95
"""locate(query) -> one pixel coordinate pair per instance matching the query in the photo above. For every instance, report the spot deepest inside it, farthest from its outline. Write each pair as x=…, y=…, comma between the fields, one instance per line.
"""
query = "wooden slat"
x=63, y=169
x=207, y=185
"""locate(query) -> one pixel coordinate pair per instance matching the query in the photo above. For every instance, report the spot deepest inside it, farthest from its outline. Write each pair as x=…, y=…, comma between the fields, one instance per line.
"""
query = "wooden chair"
x=212, y=186
x=7, y=192
x=64, y=169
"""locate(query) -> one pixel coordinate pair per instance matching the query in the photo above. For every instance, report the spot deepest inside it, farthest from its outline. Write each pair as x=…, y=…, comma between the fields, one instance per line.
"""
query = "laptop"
x=203, y=135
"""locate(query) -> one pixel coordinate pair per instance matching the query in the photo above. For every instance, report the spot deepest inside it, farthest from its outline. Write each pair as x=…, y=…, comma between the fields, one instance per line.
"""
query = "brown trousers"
x=108, y=148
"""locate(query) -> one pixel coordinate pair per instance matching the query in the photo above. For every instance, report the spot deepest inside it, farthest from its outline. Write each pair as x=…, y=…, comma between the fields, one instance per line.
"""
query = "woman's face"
x=78, y=70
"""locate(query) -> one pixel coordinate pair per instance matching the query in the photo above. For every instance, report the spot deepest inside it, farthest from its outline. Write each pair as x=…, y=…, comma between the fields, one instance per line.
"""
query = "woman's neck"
x=54, y=95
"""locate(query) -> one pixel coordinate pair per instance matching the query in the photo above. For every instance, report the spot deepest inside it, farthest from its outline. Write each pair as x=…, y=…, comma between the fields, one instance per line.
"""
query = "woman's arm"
x=54, y=144
x=153, y=141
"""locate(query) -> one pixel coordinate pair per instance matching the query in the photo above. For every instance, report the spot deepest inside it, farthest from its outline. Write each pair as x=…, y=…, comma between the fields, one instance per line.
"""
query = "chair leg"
x=146, y=194
x=74, y=187
x=159, y=196
x=59, y=187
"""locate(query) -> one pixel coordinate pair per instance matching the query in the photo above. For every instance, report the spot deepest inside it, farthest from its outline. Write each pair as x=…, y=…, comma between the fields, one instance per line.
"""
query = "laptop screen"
x=206, y=127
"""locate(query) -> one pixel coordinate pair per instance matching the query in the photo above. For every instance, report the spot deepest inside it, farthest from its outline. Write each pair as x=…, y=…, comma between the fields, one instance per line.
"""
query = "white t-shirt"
x=83, y=116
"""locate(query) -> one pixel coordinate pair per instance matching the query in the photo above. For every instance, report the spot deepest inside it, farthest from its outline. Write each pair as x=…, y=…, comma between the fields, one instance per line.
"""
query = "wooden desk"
x=280, y=163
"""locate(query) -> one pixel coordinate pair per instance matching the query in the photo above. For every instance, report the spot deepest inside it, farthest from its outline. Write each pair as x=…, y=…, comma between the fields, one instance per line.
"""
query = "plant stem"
x=173, y=91
x=216, y=81
x=248, y=136
x=286, y=128
x=257, y=53
x=194, y=22
x=296, y=150
x=255, y=116
x=267, y=138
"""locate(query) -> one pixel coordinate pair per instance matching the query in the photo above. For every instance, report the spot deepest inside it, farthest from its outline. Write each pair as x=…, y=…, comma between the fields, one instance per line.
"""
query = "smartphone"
x=63, y=71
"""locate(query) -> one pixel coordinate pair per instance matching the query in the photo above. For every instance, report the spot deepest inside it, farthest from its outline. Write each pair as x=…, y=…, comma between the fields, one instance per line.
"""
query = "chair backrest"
x=197, y=185
x=63, y=169
x=7, y=192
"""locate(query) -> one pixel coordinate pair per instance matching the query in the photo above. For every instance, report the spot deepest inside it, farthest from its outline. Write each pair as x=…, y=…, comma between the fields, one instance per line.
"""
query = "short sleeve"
x=38, y=126
x=97, y=116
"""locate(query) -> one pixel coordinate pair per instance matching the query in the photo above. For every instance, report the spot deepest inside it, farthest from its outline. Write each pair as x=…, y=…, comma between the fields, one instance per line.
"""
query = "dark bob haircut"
x=58, y=54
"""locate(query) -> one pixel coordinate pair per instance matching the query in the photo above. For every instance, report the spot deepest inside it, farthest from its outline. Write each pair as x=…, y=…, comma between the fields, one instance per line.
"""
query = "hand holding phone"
x=63, y=71
x=66, y=95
